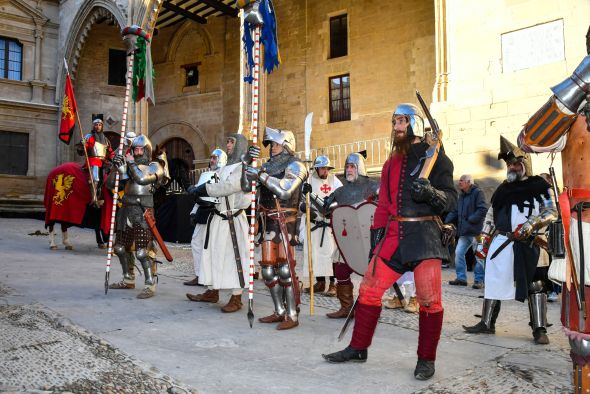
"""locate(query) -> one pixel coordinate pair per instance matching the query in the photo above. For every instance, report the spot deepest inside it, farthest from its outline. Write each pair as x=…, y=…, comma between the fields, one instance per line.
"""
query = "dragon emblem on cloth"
x=66, y=109
x=63, y=188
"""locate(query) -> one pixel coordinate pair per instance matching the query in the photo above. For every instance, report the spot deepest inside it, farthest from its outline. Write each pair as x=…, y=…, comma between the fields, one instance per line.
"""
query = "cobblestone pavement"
x=41, y=351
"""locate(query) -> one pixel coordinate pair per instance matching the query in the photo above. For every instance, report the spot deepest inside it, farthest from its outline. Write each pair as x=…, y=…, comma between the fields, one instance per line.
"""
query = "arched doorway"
x=180, y=156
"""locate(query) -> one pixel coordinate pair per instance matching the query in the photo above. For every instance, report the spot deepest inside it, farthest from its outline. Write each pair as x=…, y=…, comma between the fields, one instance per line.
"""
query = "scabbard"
x=234, y=241
x=151, y=222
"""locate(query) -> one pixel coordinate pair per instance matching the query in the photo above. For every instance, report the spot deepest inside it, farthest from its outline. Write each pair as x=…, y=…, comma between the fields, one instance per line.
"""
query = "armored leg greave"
x=489, y=314
x=271, y=279
x=286, y=282
x=538, y=312
x=146, y=263
x=123, y=259
x=537, y=305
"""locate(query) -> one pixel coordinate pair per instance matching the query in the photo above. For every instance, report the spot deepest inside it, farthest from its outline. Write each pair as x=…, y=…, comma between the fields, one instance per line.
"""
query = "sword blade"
x=399, y=294
x=501, y=248
x=348, y=320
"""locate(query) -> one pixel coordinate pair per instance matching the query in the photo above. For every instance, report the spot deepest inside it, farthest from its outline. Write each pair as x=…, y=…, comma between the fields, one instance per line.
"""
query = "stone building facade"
x=460, y=55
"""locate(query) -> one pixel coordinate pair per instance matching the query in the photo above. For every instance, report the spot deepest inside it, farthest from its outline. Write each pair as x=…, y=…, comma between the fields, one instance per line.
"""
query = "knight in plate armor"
x=280, y=180
x=132, y=230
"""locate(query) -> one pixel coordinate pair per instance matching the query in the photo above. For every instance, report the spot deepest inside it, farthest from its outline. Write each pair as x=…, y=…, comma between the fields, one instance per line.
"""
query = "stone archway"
x=182, y=32
x=184, y=130
x=80, y=27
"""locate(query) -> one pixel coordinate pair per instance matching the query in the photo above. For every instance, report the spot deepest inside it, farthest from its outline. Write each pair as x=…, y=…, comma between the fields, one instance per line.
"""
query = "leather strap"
x=413, y=219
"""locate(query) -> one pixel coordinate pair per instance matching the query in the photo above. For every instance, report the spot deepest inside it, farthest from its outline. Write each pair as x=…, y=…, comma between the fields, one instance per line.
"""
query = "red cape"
x=67, y=195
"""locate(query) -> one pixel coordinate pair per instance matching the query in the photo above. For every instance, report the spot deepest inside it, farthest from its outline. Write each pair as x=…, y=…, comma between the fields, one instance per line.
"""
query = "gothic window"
x=339, y=98
x=15, y=153
x=338, y=36
x=117, y=67
x=11, y=59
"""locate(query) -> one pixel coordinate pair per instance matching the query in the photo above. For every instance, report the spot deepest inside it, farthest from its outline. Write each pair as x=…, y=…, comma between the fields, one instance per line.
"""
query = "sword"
x=511, y=238
x=290, y=259
x=151, y=222
x=234, y=240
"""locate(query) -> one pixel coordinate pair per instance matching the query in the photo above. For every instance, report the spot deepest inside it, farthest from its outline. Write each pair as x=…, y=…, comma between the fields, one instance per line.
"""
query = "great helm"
x=141, y=141
x=322, y=161
x=414, y=116
x=358, y=161
x=282, y=137
x=221, y=157
x=511, y=153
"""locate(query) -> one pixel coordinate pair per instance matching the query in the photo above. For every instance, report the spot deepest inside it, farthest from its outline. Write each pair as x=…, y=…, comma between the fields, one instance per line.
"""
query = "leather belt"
x=413, y=219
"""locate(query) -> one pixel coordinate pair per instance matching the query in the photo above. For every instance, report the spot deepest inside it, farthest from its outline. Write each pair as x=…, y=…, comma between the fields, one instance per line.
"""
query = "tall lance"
x=254, y=130
x=127, y=34
x=259, y=24
x=117, y=175
x=307, y=142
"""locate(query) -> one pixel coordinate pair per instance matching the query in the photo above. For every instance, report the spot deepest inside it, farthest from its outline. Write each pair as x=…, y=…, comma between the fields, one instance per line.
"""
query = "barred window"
x=11, y=59
x=338, y=36
x=340, y=98
x=15, y=153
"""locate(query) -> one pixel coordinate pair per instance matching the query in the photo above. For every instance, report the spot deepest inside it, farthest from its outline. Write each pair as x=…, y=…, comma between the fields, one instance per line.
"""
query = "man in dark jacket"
x=469, y=215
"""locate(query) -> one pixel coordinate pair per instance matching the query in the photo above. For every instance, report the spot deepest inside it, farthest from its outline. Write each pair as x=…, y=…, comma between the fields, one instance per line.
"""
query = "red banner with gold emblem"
x=68, y=113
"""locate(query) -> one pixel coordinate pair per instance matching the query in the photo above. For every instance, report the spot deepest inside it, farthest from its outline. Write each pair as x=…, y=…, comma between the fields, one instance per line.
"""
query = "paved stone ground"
x=59, y=333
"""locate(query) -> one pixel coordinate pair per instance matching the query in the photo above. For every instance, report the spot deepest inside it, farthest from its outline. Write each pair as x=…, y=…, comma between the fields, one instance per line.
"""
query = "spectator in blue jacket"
x=469, y=216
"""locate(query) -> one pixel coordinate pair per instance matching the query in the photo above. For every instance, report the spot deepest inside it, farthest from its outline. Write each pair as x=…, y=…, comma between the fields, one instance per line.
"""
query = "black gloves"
x=423, y=191
x=377, y=235
x=193, y=219
x=198, y=191
x=306, y=188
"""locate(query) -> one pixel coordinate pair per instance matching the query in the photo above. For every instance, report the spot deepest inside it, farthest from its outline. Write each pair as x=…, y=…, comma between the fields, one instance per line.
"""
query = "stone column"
x=442, y=61
x=37, y=84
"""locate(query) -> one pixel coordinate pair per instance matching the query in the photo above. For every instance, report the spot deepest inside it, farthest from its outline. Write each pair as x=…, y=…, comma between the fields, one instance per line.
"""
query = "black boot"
x=348, y=354
x=489, y=314
x=424, y=369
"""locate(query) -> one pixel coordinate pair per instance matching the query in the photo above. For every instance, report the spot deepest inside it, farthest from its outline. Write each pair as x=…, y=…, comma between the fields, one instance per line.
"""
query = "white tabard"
x=322, y=256
x=218, y=263
x=499, y=272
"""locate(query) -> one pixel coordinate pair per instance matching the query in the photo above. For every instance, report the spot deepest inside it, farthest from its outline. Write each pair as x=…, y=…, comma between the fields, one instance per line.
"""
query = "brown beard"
x=401, y=145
